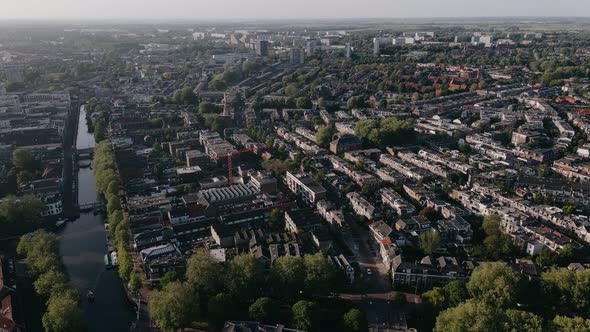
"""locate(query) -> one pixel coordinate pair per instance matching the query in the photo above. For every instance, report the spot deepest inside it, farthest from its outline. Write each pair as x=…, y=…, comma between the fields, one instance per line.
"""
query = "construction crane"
x=229, y=157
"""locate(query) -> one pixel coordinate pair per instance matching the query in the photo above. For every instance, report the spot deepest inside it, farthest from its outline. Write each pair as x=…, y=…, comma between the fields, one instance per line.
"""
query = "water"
x=83, y=246
x=84, y=139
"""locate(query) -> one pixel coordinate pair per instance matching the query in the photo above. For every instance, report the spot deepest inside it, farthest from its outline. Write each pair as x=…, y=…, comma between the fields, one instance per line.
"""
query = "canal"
x=83, y=246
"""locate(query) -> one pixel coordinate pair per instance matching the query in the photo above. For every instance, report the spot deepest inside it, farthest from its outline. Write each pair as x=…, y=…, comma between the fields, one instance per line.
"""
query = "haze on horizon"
x=283, y=9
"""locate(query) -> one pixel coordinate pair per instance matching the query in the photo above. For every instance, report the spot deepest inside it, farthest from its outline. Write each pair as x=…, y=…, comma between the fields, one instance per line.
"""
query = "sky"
x=283, y=9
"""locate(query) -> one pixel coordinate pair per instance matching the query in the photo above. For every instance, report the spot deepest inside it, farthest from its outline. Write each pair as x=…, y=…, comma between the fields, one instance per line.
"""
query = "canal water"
x=83, y=246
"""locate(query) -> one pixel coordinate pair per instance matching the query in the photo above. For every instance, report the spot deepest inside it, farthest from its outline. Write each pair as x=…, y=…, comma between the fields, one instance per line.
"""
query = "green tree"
x=303, y=102
x=319, y=274
x=276, y=216
x=355, y=321
x=456, y=292
x=185, y=96
x=264, y=309
x=292, y=90
x=494, y=283
x=63, y=315
x=125, y=263
x=306, y=315
x=51, y=282
x=168, y=277
x=429, y=242
x=288, y=276
x=203, y=272
x=430, y=214
x=469, y=316
x=135, y=283
x=208, y=108
x=517, y=320
x=568, y=324
x=569, y=209
x=323, y=136
x=25, y=160
x=220, y=308
x=435, y=299
x=244, y=277
x=174, y=307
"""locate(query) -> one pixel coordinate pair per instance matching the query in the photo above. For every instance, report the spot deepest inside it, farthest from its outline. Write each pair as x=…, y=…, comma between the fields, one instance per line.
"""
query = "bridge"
x=87, y=207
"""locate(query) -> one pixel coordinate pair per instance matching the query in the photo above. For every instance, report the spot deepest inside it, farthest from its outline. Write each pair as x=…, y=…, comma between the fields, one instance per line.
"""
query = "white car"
x=369, y=272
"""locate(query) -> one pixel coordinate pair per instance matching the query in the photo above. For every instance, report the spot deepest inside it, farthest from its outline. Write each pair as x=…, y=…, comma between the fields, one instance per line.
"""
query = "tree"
x=288, y=276
x=292, y=90
x=319, y=274
x=468, y=316
x=435, y=299
x=429, y=242
x=354, y=321
x=244, y=277
x=569, y=291
x=51, y=282
x=276, y=216
x=220, y=308
x=431, y=214
x=174, y=307
x=305, y=315
x=456, y=292
x=63, y=315
x=203, y=272
x=264, y=309
x=168, y=277
x=20, y=215
x=567, y=324
x=135, y=283
x=25, y=160
x=208, y=108
x=185, y=96
x=303, y=102
x=494, y=283
x=356, y=102
x=545, y=258
x=125, y=263
x=518, y=320
x=569, y=209
x=323, y=137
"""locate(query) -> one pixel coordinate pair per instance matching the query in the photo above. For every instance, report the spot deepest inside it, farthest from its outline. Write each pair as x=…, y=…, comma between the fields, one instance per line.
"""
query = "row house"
x=429, y=272
x=391, y=198
x=362, y=207
x=396, y=164
x=413, y=159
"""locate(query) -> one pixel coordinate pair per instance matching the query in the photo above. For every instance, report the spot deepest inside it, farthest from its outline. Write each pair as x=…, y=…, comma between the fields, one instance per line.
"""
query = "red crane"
x=230, y=155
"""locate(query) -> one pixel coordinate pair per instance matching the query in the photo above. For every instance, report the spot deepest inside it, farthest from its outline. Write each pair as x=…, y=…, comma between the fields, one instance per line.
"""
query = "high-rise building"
x=347, y=51
x=262, y=47
x=297, y=56
x=376, y=46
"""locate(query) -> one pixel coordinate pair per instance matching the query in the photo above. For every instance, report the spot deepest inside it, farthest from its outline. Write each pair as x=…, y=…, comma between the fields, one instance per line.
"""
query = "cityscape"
x=276, y=172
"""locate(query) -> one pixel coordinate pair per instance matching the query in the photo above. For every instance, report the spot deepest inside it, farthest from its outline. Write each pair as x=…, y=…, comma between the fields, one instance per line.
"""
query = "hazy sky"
x=249, y=9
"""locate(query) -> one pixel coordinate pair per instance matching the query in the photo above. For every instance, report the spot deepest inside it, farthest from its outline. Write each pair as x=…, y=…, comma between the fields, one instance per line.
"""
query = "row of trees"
x=243, y=287
x=107, y=183
x=41, y=253
x=489, y=301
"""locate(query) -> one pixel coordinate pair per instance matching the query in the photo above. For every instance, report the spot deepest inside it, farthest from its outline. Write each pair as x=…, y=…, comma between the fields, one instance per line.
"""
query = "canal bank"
x=83, y=244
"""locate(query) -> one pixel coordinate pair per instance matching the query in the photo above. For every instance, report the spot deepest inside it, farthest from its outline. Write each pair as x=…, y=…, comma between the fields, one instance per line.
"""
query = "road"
x=382, y=313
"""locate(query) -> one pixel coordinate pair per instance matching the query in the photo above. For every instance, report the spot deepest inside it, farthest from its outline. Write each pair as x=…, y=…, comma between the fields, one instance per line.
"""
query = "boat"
x=90, y=296
x=84, y=163
x=114, y=259
x=60, y=222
